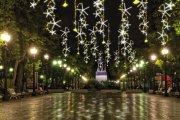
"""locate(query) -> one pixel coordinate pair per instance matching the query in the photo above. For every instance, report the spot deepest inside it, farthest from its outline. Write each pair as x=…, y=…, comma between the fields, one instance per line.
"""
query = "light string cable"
x=75, y=21
x=66, y=49
x=124, y=36
x=143, y=27
x=164, y=8
x=81, y=35
x=107, y=46
x=49, y=13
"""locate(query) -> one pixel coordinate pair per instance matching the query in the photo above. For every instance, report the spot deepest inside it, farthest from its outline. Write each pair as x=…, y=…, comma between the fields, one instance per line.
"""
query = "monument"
x=101, y=74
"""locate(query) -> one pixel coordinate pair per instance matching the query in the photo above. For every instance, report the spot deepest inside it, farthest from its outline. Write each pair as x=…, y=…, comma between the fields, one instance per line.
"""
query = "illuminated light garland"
x=75, y=29
x=164, y=8
x=64, y=42
x=49, y=13
x=99, y=4
x=143, y=27
x=80, y=32
x=107, y=51
x=65, y=4
x=124, y=36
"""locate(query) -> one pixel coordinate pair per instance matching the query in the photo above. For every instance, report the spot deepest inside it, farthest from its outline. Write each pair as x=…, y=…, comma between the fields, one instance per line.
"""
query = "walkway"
x=92, y=106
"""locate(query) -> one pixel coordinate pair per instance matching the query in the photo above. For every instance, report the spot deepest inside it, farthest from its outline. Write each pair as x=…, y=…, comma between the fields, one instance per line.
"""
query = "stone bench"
x=79, y=91
x=109, y=91
x=134, y=91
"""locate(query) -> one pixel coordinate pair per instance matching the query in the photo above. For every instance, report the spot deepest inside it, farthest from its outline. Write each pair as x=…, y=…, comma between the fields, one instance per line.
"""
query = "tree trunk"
x=20, y=75
x=16, y=66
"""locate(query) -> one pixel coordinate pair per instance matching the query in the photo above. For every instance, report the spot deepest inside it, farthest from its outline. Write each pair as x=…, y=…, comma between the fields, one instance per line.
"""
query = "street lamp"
x=33, y=51
x=10, y=70
x=5, y=37
x=165, y=52
x=153, y=58
x=131, y=78
x=68, y=69
x=134, y=68
x=46, y=57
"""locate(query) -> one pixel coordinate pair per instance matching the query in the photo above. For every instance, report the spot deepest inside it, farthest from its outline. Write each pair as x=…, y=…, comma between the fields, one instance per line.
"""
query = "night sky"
x=112, y=14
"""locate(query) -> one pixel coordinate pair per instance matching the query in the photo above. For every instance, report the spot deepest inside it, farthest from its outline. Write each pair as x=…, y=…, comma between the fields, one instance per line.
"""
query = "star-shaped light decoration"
x=33, y=4
x=47, y=13
x=142, y=3
x=125, y=10
x=164, y=12
x=170, y=5
x=92, y=31
x=162, y=35
x=54, y=23
x=83, y=10
x=65, y=32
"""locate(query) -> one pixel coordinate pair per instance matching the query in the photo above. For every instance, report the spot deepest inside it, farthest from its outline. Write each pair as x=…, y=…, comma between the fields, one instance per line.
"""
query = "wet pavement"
x=92, y=106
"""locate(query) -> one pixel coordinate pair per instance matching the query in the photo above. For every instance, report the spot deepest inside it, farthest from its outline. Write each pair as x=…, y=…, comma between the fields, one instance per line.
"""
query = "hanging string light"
x=143, y=27
x=49, y=14
x=124, y=36
x=81, y=35
x=100, y=59
x=107, y=46
x=64, y=42
x=164, y=8
x=101, y=24
x=75, y=29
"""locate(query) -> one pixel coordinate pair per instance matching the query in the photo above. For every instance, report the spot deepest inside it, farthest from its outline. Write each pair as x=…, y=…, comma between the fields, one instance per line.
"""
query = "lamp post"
x=153, y=57
x=128, y=79
x=165, y=52
x=134, y=69
x=46, y=57
x=131, y=78
x=33, y=51
x=68, y=69
x=5, y=37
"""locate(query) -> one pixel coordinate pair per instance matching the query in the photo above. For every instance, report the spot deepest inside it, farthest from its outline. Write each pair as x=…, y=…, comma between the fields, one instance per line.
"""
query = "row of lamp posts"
x=153, y=58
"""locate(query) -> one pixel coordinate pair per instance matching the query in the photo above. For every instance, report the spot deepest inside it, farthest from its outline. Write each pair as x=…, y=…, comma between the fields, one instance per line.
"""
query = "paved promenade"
x=92, y=106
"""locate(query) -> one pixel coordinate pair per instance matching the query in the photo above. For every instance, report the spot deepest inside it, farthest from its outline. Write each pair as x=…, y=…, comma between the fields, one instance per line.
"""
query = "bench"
x=168, y=91
x=13, y=93
x=159, y=91
x=109, y=91
x=79, y=91
x=41, y=90
x=134, y=91
x=56, y=90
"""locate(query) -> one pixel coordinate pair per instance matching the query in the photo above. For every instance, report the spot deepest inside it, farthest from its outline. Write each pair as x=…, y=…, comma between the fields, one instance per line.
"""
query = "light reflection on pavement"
x=91, y=106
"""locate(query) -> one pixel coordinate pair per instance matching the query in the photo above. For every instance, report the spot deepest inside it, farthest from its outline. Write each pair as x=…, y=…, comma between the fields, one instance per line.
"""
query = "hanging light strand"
x=107, y=46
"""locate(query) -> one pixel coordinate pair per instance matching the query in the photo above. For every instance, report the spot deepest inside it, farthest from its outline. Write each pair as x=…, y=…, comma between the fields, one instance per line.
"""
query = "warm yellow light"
x=134, y=68
x=46, y=56
x=54, y=62
x=1, y=67
x=165, y=51
x=103, y=42
x=65, y=65
x=65, y=4
x=142, y=62
x=59, y=62
x=136, y=2
x=130, y=70
x=146, y=41
x=75, y=30
x=153, y=57
x=33, y=51
x=72, y=70
x=68, y=68
x=137, y=65
x=5, y=37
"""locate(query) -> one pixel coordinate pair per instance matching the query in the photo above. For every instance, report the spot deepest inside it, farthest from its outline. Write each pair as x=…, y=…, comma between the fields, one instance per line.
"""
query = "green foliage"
x=10, y=83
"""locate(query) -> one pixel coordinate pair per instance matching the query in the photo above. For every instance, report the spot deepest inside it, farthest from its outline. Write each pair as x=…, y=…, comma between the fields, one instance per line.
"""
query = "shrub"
x=10, y=83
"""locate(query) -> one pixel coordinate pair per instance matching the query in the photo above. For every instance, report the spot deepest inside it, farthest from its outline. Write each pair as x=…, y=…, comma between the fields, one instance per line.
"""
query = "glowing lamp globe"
x=65, y=65
x=165, y=51
x=153, y=57
x=134, y=68
x=59, y=62
x=11, y=69
x=1, y=67
x=54, y=62
x=72, y=70
x=130, y=70
x=33, y=51
x=5, y=37
x=68, y=69
x=46, y=56
x=65, y=4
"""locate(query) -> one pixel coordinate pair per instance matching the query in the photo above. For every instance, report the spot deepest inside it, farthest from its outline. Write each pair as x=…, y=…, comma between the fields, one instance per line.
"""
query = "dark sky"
x=112, y=14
